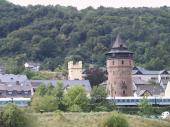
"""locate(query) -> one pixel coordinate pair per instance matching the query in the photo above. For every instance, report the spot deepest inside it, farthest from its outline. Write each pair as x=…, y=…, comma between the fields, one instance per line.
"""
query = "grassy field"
x=91, y=120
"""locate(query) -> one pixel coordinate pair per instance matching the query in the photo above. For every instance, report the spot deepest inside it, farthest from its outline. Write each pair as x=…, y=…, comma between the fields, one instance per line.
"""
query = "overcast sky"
x=81, y=4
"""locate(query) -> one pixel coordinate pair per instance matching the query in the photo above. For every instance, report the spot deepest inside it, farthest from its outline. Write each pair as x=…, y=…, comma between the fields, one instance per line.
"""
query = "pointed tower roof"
x=119, y=43
x=119, y=47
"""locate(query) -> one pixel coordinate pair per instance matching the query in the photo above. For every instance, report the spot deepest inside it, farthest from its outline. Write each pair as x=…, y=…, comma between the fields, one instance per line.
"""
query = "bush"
x=45, y=104
x=76, y=98
x=145, y=109
x=115, y=120
x=75, y=108
x=11, y=116
x=98, y=100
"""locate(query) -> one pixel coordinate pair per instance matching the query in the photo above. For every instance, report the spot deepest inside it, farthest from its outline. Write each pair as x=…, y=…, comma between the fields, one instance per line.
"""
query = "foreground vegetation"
x=92, y=120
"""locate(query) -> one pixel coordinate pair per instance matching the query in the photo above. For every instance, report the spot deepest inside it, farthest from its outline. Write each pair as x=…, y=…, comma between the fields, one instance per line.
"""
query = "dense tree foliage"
x=145, y=108
x=95, y=76
x=76, y=99
x=50, y=34
x=98, y=100
x=12, y=116
x=48, y=98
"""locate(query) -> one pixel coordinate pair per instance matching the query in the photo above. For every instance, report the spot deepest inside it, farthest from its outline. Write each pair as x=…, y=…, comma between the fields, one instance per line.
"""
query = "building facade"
x=119, y=67
x=75, y=70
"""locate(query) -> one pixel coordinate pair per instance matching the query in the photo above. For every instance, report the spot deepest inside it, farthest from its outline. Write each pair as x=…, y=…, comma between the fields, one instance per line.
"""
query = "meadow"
x=91, y=120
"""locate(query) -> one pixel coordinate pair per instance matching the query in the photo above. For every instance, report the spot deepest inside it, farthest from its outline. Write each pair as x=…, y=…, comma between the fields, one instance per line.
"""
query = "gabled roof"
x=136, y=72
x=66, y=83
x=138, y=81
x=142, y=92
x=140, y=70
x=153, y=89
x=12, y=78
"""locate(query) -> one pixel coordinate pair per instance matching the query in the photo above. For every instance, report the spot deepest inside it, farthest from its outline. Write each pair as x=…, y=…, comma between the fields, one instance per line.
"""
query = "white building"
x=32, y=66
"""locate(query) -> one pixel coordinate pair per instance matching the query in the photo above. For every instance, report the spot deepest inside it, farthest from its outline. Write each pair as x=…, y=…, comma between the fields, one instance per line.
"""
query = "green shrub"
x=44, y=104
x=75, y=108
x=11, y=116
x=115, y=120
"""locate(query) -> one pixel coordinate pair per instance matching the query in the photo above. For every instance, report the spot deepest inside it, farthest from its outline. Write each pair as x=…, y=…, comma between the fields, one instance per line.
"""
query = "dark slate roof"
x=85, y=83
x=119, y=43
x=15, y=87
x=119, y=47
x=66, y=83
x=12, y=78
x=140, y=70
x=2, y=87
x=153, y=89
x=139, y=81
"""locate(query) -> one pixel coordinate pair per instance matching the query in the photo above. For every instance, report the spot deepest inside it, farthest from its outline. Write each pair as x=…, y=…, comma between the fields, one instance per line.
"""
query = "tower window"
x=121, y=46
x=113, y=62
x=123, y=92
x=130, y=62
x=122, y=62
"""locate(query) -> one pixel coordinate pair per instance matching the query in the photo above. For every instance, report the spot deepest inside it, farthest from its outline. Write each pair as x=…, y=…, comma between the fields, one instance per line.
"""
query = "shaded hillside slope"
x=54, y=34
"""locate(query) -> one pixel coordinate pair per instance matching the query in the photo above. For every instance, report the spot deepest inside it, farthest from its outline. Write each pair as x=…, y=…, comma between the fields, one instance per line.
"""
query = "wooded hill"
x=54, y=34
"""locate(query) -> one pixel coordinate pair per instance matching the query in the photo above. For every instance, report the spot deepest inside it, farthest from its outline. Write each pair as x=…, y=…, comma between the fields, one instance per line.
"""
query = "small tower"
x=75, y=70
x=119, y=67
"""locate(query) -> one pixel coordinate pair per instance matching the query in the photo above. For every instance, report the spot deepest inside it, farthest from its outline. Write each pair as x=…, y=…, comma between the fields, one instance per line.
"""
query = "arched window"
x=122, y=62
x=113, y=62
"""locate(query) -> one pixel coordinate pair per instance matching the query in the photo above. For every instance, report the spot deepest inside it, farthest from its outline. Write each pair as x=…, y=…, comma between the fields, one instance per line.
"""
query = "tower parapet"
x=75, y=70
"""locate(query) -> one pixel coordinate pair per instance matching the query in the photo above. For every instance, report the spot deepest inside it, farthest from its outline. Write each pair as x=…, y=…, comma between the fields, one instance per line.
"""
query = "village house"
x=150, y=81
x=14, y=86
x=32, y=66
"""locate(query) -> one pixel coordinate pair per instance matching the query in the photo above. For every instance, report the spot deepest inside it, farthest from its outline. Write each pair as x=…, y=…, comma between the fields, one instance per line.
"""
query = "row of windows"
x=155, y=78
x=138, y=100
x=121, y=62
x=16, y=102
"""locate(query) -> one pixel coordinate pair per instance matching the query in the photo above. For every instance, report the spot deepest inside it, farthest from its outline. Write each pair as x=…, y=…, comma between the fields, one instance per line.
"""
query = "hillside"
x=54, y=34
x=91, y=120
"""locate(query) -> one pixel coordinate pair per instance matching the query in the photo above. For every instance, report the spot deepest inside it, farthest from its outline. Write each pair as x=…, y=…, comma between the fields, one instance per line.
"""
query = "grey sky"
x=80, y=4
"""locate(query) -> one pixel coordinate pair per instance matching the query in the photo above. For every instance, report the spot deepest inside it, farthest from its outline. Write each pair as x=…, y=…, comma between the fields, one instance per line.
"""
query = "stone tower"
x=119, y=67
x=75, y=70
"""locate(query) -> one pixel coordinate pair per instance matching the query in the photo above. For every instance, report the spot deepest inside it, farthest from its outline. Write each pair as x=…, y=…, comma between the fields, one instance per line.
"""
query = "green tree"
x=12, y=116
x=46, y=103
x=144, y=107
x=58, y=93
x=98, y=100
x=95, y=76
x=75, y=96
x=41, y=90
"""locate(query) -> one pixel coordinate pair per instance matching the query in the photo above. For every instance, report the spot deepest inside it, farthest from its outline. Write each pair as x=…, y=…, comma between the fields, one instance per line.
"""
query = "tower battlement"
x=78, y=64
x=75, y=70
